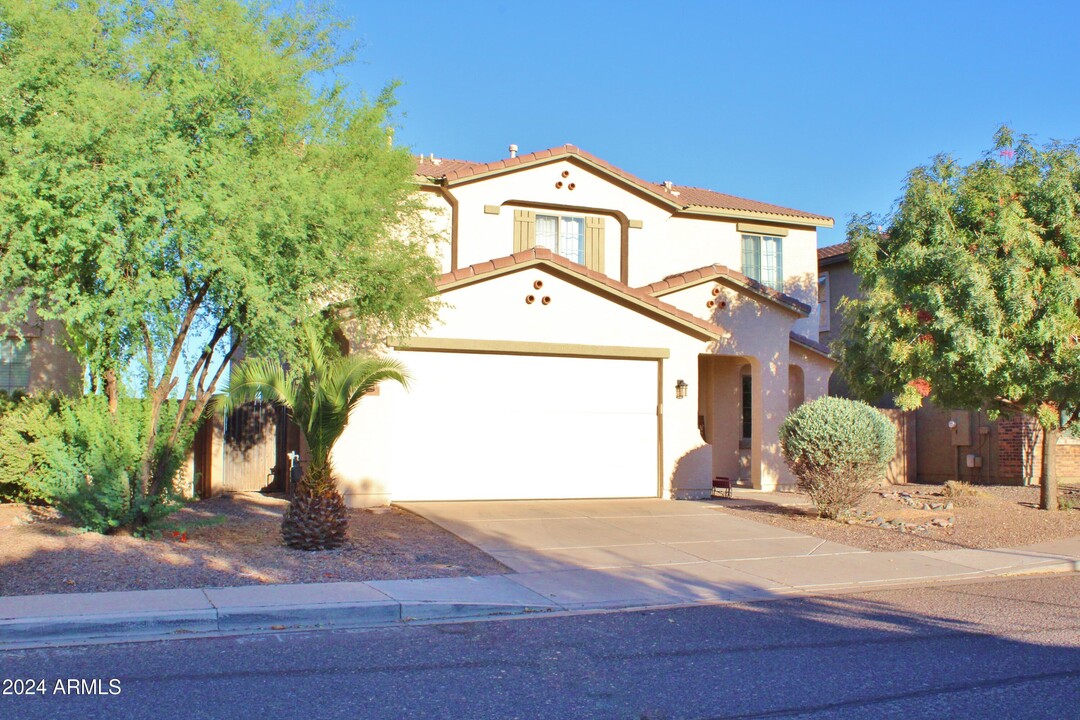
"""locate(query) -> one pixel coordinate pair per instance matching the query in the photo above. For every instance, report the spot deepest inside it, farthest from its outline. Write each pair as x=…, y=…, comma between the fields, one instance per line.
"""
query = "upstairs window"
x=14, y=365
x=763, y=260
x=562, y=235
x=578, y=239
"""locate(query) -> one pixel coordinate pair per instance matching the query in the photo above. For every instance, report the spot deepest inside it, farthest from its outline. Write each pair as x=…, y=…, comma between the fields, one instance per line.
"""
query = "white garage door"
x=487, y=427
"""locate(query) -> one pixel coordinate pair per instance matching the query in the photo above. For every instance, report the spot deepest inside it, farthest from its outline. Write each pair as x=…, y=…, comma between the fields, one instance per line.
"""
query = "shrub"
x=959, y=489
x=29, y=437
x=838, y=450
x=74, y=454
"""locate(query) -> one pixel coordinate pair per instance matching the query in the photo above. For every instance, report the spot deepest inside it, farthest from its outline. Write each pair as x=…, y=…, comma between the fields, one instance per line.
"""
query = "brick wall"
x=1019, y=449
x=1020, y=452
x=1068, y=465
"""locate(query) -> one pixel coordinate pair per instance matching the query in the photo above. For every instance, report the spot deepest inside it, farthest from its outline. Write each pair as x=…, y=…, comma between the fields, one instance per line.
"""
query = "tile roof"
x=431, y=167
x=814, y=345
x=534, y=255
x=832, y=251
x=682, y=196
x=710, y=272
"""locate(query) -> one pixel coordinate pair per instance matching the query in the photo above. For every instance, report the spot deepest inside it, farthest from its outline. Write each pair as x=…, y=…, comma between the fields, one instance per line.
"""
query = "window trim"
x=559, y=224
x=755, y=269
x=824, y=306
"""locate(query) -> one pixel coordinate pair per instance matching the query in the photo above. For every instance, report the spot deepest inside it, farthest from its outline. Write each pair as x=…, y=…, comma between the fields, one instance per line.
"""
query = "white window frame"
x=756, y=259
x=560, y=241
x=824, y=302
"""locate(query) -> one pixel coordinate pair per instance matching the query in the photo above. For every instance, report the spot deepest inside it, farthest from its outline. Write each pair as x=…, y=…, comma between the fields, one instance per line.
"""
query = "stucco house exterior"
x=33, y=359
x=947, y=444
x=600, y=336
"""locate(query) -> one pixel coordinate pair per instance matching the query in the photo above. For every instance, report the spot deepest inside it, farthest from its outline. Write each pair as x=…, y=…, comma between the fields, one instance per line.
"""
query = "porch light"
x=680, y=389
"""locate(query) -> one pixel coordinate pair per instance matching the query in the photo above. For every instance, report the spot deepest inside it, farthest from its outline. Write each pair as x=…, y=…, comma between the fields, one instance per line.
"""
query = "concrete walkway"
x=568, y=556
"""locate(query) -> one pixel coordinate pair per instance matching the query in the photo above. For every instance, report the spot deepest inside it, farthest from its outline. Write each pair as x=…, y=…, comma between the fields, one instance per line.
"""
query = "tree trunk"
x=1048, y=496
x=112, y=390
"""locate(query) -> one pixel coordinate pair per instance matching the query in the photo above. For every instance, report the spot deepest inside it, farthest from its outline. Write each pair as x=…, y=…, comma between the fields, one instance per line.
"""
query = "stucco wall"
x=665, y=244
x=495, y=310
x=52, y=365
x=842, y=284
x=758, y=334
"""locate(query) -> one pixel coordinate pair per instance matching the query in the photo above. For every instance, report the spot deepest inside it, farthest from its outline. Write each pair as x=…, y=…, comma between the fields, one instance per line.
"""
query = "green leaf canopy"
x=180, y=177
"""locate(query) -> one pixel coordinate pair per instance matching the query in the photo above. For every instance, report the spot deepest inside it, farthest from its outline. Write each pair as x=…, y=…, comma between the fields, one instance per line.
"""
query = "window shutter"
x=778, y=282
x=594, y=243
x=524, y=230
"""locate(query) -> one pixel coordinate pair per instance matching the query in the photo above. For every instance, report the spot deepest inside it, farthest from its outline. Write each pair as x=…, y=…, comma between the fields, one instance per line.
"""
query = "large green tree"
x=971, y=295
x=180, y=178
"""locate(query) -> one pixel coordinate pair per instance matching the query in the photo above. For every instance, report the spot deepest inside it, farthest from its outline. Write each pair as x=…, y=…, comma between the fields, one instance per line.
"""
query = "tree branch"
x=149, y=344
x=181, y=337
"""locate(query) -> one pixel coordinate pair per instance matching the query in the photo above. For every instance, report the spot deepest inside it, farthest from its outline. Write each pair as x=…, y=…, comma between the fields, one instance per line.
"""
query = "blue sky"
x=821, y=106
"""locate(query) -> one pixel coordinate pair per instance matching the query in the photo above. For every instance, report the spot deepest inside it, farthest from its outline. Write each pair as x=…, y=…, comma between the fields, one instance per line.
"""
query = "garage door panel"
x=522, y=427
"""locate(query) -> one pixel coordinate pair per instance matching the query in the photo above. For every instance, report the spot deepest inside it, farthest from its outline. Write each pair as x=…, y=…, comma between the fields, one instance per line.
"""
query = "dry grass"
x=995, y=516
x=232, y=540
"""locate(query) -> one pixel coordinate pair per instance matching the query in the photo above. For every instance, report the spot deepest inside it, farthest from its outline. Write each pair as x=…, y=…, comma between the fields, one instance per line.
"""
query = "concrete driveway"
x=599, y=552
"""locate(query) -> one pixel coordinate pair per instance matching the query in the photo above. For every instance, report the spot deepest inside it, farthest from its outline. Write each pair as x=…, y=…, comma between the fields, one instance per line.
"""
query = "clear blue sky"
x=821, y=106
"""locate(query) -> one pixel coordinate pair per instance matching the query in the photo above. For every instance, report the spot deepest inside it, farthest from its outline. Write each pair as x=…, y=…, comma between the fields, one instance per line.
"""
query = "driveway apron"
x=599, y=553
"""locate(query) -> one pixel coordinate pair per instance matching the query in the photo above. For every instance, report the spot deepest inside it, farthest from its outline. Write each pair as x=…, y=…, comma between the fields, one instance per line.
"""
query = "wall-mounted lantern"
x=680, y=389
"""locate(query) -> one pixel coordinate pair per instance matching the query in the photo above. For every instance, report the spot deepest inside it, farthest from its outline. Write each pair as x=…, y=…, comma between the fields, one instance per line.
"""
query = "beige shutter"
x=594, y=243
x=524, y=230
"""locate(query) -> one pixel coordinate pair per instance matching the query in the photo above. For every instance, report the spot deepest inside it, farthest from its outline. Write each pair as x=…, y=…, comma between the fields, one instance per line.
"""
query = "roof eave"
x=812, y=346
x=833, y=260
x=807, y=221
x=476, y=177
x=802, y=310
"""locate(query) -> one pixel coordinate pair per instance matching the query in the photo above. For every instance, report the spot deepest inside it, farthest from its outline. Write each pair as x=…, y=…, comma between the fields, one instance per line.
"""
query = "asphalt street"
x=1001, y=649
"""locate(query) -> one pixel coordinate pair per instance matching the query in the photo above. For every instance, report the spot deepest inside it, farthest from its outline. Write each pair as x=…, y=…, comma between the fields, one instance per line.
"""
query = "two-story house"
x=600, y=336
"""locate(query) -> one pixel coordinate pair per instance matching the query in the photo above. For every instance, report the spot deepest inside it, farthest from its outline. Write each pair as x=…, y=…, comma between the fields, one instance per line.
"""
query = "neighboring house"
x=948, y=444
x=33, y=359
x=601, y=336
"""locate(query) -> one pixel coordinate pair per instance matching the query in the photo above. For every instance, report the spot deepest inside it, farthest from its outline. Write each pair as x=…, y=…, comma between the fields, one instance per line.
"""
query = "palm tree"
x=319, y=398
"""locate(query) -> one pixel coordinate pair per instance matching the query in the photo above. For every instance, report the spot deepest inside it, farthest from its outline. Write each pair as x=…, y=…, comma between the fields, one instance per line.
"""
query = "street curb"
x=45, y=631
x=270, y=614
x=34, y=631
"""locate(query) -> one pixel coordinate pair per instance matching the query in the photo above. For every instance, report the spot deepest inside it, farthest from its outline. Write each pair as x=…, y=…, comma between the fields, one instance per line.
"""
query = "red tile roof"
x=831, y=251
x=437, y=167
x=710, y=272
x=682, y=196
x=814, y=345
x=503, y=264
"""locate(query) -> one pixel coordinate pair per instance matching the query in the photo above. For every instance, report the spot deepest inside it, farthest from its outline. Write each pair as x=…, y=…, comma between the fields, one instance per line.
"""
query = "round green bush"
x=838, y=450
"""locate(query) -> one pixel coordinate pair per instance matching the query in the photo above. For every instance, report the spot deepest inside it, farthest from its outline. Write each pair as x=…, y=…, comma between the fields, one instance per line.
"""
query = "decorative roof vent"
x=513, y=151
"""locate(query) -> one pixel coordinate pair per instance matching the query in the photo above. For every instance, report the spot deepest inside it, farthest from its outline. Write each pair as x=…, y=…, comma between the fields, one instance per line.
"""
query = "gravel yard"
x=999, y=516
x=230, y=540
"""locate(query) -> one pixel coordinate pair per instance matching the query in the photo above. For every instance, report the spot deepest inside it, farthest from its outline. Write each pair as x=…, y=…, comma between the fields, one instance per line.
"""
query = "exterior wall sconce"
x=680, y=389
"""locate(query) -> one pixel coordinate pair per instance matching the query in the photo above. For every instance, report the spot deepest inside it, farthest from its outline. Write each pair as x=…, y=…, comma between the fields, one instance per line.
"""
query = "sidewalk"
x=36, y=620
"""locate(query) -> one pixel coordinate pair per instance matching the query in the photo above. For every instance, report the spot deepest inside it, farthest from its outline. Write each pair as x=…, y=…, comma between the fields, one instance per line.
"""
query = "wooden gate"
x=250, y=459
x=901, y=468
